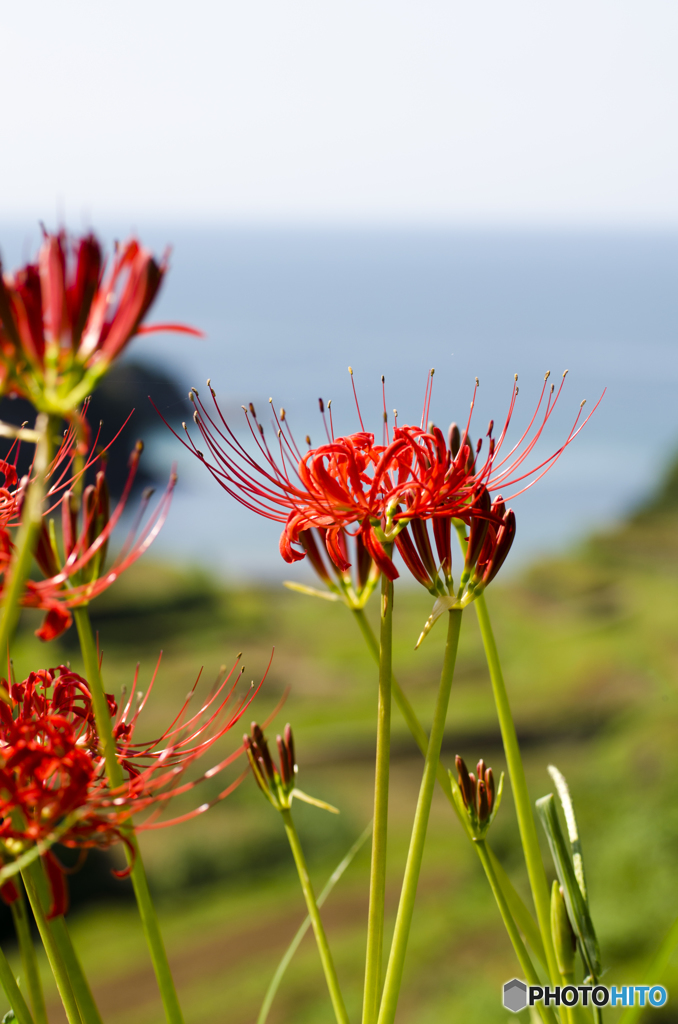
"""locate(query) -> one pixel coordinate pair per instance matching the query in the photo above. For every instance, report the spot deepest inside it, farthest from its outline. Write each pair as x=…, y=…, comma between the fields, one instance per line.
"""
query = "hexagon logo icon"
x=515, y=995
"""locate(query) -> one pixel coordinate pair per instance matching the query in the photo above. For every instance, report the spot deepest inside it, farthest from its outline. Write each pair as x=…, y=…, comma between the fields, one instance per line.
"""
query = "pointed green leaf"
x=572, y=827
x=300, y=795
x=300, y=588
x=577, y=907
x=498, y=796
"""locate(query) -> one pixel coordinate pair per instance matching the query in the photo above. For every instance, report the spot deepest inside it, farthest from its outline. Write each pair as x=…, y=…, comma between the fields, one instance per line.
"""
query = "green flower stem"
x=13, y=992
x=531, y=977
x=314, y=914
x=29, y=960
x=406, y=710
x=375, y=920
x=521, y=914
x=306, y=924
x=31, y=521
x=51, y=948
x=404, y=706
x=526, y=823
x=147, y=912
x=83, y=993
x=568, y=1012
x=102, y=712
x=394, y=971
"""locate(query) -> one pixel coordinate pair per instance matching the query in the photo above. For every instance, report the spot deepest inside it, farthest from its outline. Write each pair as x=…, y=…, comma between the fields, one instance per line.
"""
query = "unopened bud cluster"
x=490, y=536
x=276, y=782
x=476, y=795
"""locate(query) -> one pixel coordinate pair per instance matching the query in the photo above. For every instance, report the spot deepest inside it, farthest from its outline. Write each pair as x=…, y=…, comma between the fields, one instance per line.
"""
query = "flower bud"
x=483, y=803
x=442, y=529
x=465, y=785
x=45, y=554
x=421, y=539
x=277, y=783
x=564, y=938
x=69, y=521
x=480, y=521
x=411, y=558
x=476, y=797
x=454, y=439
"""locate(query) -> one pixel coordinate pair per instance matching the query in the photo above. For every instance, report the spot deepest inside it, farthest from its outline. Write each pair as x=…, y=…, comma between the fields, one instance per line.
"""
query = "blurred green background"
x=590, y=651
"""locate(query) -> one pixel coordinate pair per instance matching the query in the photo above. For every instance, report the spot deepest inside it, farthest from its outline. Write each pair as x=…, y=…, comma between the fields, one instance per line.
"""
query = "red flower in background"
x=78, y=574
x=63, y=319
x=75, y=571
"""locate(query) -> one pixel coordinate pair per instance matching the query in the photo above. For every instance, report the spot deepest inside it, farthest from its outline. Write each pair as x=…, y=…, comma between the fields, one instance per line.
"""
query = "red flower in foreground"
x=52, y=774
x=385, y=493
x=63, y=319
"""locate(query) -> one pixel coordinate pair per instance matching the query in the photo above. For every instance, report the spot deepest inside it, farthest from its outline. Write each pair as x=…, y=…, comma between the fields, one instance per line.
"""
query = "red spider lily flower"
x=45, y=773
x=63, y=319
x=349, y=482
x=52, y=772
x=385, y=493
x=155, y=768
x=77, y=573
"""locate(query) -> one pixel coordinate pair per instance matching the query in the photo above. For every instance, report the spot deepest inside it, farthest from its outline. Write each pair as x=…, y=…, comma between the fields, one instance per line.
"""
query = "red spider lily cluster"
x=64, y=319
x=52, y=772
x=382, y=493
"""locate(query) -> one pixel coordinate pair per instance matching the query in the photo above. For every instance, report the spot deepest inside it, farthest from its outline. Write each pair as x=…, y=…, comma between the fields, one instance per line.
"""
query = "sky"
x=359, y=111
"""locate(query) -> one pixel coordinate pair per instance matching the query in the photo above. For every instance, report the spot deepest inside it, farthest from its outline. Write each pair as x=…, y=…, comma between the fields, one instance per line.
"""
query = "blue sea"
x=286, y=311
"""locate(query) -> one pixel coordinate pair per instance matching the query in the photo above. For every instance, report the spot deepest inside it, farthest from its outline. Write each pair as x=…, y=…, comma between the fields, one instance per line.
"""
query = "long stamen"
x=322, y=412
x=427, y=400
x=500, y=477
x=362, y=426
x=547, y=464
